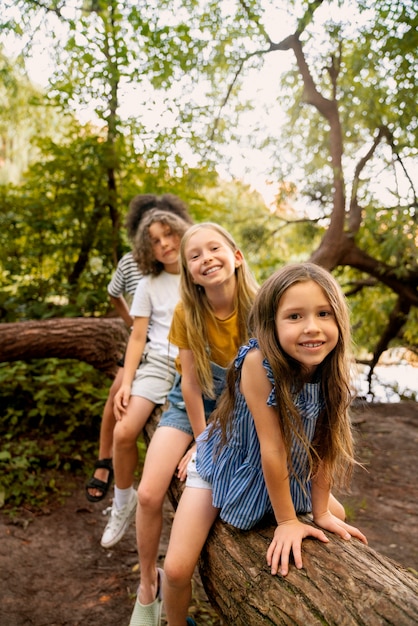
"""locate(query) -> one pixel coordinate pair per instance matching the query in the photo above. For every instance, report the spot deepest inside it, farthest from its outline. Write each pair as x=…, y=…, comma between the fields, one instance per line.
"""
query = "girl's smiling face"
x=305, y=324
x=165, y=246
x=210, y=260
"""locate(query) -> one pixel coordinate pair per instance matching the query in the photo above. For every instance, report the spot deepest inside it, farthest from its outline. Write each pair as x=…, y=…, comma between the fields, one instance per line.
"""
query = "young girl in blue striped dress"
x=280, y=438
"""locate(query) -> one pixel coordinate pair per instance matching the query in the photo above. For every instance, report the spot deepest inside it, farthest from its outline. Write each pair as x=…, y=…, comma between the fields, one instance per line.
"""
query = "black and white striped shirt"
x=125, y=278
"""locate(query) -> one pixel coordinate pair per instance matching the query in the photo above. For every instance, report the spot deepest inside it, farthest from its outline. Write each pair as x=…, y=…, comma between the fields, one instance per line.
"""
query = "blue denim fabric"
x=176, y=416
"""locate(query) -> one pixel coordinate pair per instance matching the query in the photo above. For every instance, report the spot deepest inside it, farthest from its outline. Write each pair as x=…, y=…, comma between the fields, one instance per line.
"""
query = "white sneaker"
x=119, y=522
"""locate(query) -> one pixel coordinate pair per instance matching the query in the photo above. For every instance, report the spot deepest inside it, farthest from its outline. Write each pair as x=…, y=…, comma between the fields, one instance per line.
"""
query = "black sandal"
x=100, y=485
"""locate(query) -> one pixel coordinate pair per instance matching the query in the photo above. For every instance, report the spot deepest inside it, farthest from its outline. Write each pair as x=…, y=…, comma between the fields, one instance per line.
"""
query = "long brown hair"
x=197, y=308
x=333, y=444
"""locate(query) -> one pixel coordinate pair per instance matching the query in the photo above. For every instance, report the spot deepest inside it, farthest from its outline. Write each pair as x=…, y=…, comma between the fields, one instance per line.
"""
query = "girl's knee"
x=123, y=436
x=149, y=497
x=177, y=573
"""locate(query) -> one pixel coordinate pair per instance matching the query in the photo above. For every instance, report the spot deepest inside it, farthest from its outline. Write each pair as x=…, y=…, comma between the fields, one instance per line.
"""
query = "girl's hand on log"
x=182, y=466
x=121, y=401
x=288, y=538
x=334, y=524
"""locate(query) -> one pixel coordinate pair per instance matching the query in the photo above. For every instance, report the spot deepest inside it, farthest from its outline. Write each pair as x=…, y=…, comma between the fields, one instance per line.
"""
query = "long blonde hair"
x=333, y=444
x=197, y=308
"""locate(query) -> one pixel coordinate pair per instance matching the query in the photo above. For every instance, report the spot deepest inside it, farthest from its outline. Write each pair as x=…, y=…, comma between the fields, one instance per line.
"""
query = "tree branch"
x=98, y=342
x=285, y=44
x=405, y=286
x=397, y=319
x=354, y=220
x=55, y=8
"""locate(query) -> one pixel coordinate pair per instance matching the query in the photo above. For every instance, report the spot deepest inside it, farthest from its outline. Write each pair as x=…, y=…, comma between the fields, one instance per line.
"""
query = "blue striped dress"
x=235, y=471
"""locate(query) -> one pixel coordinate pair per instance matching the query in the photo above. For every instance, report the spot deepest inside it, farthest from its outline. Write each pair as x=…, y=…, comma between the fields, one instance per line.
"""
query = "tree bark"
x=98, y=342
x=342, y=583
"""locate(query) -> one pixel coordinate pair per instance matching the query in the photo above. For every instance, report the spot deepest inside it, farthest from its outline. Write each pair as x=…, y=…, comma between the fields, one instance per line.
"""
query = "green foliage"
x=389, y=236
x=410, y=332
x=49, y=420
x=369, y=320
x=55, y=240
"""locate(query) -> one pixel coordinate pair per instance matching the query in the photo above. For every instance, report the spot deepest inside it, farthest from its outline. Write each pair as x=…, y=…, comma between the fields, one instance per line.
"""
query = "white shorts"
x=193, y=477
x=154, y=377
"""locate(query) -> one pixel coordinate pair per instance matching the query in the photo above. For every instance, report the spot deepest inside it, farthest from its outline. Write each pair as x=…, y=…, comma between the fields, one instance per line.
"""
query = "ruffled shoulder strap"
x=242, y=353
x=271, y=400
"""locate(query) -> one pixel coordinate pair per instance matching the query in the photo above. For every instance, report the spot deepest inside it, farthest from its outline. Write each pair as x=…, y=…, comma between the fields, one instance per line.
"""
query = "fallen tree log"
x=100, y=342
x=342, y=583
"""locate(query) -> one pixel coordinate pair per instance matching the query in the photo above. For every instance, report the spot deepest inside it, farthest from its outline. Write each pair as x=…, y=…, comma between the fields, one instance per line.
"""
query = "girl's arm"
x=192, y=392
x=322, y=514
x=121, y=307
x=290, y=532
x=192, y=396
x=133, y=355
x=256, y=388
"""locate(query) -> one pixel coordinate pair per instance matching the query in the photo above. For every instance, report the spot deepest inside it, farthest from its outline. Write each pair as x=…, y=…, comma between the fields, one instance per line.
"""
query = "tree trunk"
x=99, y=342
x=342, y=583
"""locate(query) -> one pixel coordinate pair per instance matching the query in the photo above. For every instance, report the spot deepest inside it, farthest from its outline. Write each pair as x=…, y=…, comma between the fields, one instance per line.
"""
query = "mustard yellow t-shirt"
x=223, y=336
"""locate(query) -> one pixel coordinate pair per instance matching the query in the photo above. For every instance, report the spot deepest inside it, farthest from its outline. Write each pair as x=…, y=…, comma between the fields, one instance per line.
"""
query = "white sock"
x=122, y=496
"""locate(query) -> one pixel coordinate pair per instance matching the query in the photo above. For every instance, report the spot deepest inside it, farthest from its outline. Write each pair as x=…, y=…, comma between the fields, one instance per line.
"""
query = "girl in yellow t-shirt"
x=209, y=324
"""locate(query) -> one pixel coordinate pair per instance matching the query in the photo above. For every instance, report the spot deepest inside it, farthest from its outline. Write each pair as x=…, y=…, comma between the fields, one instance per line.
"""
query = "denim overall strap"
x=219, y=378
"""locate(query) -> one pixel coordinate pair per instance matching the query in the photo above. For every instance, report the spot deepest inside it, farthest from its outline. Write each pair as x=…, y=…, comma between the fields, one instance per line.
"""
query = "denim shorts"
x=176, y=415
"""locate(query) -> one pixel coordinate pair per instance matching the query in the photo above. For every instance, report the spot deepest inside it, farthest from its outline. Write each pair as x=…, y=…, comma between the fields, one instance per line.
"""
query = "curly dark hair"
x=143, y=252
x=140, y=204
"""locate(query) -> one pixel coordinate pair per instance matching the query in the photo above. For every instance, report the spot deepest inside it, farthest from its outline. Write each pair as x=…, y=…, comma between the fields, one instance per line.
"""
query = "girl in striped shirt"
x=280, y=438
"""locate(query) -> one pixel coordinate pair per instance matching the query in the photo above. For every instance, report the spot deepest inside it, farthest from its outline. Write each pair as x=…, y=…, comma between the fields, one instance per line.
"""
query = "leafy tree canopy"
x=344, y=75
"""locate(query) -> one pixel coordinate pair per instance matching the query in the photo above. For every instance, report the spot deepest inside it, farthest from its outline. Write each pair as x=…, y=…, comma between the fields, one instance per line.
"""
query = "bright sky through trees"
x=261, y=86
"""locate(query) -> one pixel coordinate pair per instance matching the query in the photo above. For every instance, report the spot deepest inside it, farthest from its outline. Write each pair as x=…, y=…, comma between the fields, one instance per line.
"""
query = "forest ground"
x=54, y=572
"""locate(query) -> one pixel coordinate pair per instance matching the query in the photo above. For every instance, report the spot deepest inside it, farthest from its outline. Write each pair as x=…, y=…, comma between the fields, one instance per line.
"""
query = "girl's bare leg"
x=192, y=522
x=125, y=435
x=125, y=460
x=106, y=431
x=163, y=455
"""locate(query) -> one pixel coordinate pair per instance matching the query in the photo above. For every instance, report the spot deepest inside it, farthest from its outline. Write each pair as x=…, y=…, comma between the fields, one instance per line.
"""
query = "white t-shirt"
x=156, y=297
